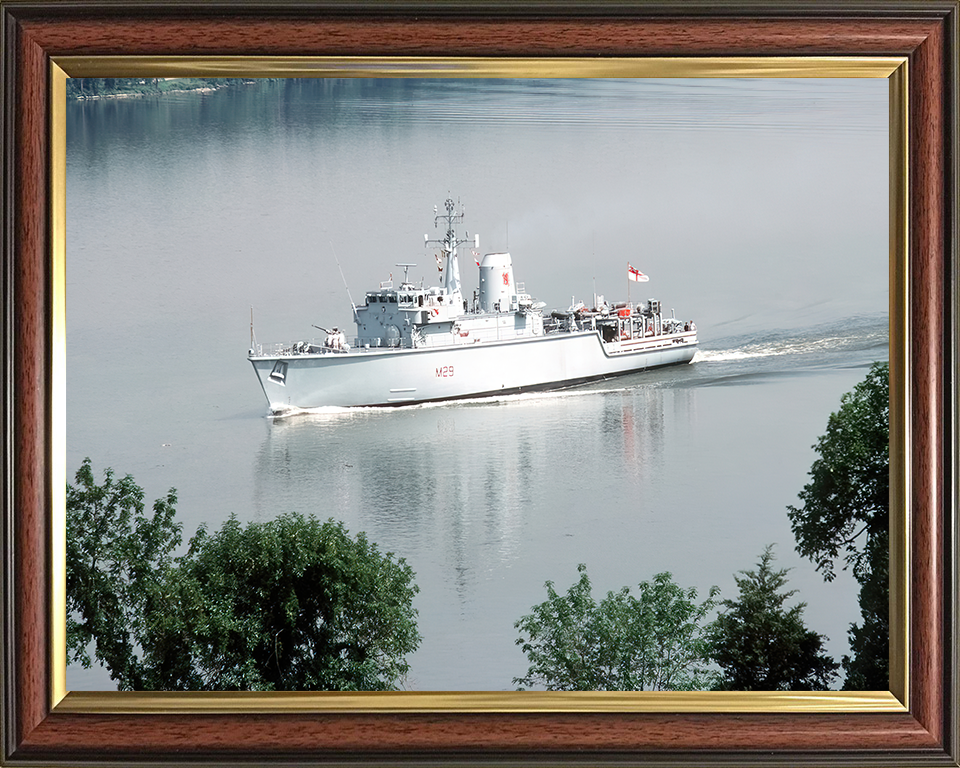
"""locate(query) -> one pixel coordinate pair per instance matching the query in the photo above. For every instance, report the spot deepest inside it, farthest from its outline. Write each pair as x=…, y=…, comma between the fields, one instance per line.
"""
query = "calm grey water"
x=758, y=208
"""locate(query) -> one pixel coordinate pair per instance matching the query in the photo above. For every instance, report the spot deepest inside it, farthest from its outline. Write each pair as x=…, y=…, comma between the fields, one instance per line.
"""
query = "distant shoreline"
x=97, y=88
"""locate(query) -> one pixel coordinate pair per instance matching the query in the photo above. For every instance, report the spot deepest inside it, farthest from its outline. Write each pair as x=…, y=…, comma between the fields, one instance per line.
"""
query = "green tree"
x=651, y=641
x=291, y=604
x=297, y=604
x=119, y=560
x=867, y=668
x=845, y=518
x=763, y=646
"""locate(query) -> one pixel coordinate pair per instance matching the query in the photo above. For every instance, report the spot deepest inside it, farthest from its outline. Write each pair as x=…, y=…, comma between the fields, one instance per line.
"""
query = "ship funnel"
x=496, y=282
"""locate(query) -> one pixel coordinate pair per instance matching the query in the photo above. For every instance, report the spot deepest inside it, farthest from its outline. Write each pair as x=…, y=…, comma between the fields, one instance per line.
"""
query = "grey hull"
x=409, y=376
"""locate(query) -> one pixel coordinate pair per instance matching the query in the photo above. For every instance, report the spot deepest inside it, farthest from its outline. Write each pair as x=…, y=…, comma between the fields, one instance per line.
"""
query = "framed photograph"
x=910, y=48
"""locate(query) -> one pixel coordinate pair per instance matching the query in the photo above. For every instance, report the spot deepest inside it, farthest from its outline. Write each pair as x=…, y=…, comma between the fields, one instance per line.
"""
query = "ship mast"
x=448, y=246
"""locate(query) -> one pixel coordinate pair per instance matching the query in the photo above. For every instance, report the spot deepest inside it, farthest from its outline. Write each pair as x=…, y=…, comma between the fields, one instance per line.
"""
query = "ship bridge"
x=398, y=317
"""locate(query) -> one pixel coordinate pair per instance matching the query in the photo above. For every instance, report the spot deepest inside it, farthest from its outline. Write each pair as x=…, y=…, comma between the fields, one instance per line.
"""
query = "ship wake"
x=853, y=335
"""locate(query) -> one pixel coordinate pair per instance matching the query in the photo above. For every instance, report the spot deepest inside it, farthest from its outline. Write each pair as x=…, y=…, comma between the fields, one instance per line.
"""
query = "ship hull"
x=410, y=376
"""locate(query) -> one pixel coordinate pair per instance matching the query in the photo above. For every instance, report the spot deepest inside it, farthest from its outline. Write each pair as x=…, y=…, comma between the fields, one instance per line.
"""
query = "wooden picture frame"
x=916, y=721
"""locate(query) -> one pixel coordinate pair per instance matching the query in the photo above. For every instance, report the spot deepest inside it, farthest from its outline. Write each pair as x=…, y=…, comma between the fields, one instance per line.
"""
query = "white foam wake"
x=333, y=411
x=795, y=346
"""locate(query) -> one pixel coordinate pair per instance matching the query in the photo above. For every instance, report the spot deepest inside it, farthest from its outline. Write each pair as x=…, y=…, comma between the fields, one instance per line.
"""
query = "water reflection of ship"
x=645, y=416
x=468, y=488
x=416, y=481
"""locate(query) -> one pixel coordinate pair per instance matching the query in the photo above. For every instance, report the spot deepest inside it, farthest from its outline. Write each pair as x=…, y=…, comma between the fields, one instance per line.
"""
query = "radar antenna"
x=452, y=217
x=406, y=271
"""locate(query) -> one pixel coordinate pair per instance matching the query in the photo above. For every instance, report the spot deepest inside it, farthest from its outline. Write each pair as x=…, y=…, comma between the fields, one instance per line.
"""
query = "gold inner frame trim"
x=58, y=375
x=895, y=69
x=289, y=702
x=414, y=66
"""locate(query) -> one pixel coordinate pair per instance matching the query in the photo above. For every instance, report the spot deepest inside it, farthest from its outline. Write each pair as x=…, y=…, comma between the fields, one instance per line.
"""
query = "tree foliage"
x=297, y=604
x=119, y=561
x=847, y=500
x=289, y=604
x=867, y=668
x=761, y=645
x=651, y=641
x=845, y=518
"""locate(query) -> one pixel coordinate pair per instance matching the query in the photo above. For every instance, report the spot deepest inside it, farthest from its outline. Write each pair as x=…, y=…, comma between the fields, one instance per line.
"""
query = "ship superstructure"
x=417, y=317
x=419, y=344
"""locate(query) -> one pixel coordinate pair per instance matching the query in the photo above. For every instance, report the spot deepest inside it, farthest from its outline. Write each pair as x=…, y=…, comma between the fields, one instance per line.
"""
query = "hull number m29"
x=444, y=371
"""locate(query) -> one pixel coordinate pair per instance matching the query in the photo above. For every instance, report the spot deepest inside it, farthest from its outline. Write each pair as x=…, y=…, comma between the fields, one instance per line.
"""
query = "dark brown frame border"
x=924, y=32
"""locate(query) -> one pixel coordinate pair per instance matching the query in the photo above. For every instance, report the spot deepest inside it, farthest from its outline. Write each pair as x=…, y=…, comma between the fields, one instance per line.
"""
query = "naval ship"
x=418, y=344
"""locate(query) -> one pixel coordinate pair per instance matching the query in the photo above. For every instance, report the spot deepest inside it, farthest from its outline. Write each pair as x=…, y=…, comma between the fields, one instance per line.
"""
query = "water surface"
x=758, y=208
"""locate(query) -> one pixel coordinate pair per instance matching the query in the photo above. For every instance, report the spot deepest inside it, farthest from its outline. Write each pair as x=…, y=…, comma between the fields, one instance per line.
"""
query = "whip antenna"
x=356, y=317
